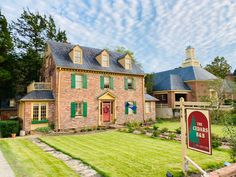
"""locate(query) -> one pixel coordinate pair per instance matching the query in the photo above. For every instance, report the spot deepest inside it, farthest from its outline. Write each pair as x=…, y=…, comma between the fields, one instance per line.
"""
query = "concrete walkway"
x=5, y=169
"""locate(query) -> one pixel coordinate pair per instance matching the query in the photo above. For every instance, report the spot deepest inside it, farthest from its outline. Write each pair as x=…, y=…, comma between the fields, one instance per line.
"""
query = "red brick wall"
x=199, y=89
x=91, y=94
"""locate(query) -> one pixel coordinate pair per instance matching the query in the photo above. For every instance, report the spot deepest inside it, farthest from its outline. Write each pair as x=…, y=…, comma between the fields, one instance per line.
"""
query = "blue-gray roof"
x=60, y=53
x=150, y=98
x=175, y=79
x=39, y=95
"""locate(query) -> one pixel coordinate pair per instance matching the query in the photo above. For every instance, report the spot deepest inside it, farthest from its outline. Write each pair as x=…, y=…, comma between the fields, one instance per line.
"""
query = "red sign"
x=199, y=130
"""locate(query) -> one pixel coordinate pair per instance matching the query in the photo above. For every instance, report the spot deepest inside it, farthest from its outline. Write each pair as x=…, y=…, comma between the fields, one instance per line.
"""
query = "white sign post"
x=185, y=158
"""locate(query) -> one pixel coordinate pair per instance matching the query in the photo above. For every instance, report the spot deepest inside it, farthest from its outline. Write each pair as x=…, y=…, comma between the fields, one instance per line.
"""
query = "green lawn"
x=172, y=125
x=119, y=154
x=28, y=160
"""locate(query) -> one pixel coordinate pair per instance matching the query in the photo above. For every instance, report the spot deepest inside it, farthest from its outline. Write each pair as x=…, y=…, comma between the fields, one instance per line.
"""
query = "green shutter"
x=134, y=84
x=126, y=108
x=126, y=83
x=111, y=83
x=72, y=109
x=85, y=81
x=135, y=104
x=85, y=107
x=102, y=82
x=72, y=80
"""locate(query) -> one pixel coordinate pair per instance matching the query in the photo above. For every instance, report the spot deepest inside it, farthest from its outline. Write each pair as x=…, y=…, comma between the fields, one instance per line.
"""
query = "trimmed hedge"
x=8, y=127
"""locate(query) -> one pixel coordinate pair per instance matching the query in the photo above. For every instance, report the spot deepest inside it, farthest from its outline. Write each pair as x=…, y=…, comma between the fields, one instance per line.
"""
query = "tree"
x=31, y=31
x=219, y=67
x=123, y=50
x=6, y=60
x=149, y=83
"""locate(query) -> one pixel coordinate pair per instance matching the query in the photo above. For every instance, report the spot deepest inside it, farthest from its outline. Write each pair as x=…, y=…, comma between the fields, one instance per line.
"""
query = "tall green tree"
x=31, y=31
x=149, y=83
x=6, y=59
x=219, y=67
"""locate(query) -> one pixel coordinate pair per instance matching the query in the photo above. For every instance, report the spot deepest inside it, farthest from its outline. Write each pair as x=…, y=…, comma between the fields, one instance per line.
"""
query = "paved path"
x=5, y=169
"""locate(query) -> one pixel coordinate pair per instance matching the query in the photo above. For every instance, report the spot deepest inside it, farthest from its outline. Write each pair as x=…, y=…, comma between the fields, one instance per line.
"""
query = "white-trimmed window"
x=79, y=109
x=148, y=107
x=106, y=82
x=78, y=56
x=40, y=111
x=130, y=83
x=78, y=81
x=105, y=61
x=128, y=64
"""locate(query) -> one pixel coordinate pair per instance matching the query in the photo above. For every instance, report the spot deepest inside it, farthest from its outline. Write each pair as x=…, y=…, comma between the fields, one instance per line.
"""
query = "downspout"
x=58, y=100
x=143, y=92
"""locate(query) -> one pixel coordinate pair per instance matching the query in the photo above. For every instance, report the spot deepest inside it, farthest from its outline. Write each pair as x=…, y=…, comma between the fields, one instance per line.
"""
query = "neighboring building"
x=150, y=107
x=84, y=87
x=8, y=109
x=188, y=81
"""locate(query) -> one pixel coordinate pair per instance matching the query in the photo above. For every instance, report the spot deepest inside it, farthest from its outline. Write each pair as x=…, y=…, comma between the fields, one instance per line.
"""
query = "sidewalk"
x=5, y=169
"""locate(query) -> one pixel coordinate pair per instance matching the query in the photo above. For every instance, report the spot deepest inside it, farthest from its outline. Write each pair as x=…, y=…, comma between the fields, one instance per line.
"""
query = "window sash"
x=104, y=60
x=78, y=81
x=130, y=83
x=106, y=82
x=128, y=63
x=79, y=109
x=77, y=56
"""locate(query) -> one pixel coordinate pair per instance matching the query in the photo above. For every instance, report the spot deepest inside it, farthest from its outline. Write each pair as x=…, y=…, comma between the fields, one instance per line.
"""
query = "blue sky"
x=158, y=31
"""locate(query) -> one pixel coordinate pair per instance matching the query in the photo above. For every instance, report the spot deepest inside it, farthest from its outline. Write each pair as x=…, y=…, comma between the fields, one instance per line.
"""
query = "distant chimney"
x=190, y=58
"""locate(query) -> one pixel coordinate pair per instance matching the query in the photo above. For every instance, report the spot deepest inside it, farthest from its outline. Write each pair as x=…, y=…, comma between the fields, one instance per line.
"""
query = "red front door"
x=106, y=108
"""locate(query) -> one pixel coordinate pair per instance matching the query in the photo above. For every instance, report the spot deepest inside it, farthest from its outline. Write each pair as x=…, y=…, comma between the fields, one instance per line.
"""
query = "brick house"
x=189, y=81
x=85, y=87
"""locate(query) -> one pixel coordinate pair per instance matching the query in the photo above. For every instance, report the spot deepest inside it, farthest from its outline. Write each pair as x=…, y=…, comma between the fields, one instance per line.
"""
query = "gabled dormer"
x=76, y=55
x=126, y=61
x=103, y=58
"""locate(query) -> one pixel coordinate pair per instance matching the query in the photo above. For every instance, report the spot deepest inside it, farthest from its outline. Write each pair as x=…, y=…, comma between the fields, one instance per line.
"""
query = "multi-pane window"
x=105, y=61
x=35, y=111
x=78, y=81
x=128, y=64
x=77, y=56
x=130, y=83
x=147, y=107
x=43, y=111
x=106, y=82
x=79, y=108
x=39, y=111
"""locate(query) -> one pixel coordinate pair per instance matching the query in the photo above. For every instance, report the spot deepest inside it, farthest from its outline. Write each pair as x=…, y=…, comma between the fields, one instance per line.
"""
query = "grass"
x=119, y=154
x=172, y=125
x=28, y=160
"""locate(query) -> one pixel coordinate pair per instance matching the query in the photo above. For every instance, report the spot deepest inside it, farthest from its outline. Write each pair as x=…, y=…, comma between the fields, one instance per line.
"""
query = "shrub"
x=9, y=127
x=130, y=129
x=52, y=125
x=172, y=136
x=178, y=130
x=156, y=133
x=158, y=119
x=163, y=130
x=155, y=127
x=43, y=129
x=216, y=141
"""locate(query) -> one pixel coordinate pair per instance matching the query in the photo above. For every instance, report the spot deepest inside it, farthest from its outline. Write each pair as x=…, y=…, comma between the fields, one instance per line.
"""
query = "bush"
x=178, y=130
x=43, y=129
x=230, y=131
x=216, y=141
x=163, y=130
x=156, y=133
x=133, y=125
x=155, y=127
x=172, y=136
x=158, y=119
x=130, y=129
x=9, y=127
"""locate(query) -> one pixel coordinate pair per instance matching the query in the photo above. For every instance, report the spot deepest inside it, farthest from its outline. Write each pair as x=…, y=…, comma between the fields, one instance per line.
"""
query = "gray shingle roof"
x=174, y=79
x=60, y=52
x=150, y=98
x=39, y=95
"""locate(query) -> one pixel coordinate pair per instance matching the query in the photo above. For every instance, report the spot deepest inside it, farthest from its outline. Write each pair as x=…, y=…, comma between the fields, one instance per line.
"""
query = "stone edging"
x=78, y=166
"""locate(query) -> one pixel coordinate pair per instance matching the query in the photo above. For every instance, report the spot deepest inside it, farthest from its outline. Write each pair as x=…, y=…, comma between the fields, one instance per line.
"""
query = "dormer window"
x=77, y=57
x=105, y=61
x=128, y=64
